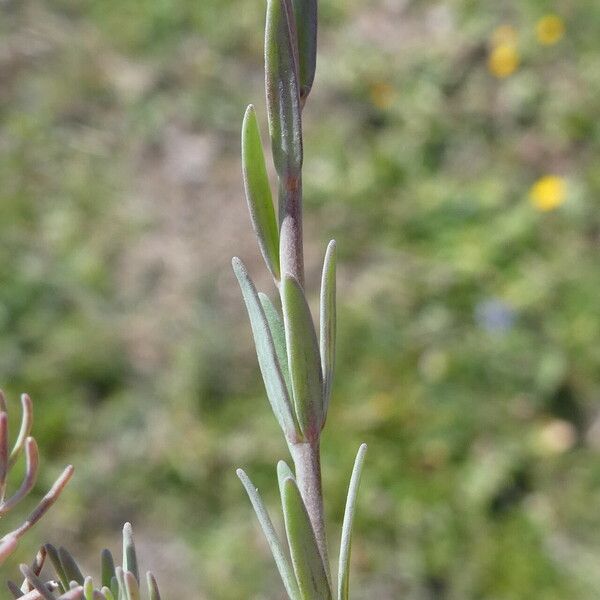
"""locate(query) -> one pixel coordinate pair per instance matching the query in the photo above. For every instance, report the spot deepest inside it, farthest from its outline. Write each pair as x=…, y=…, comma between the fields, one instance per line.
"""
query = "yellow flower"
x=504, y=59
x=548, y=193
x=550, y=29
x=504, y=34
x=382, y=94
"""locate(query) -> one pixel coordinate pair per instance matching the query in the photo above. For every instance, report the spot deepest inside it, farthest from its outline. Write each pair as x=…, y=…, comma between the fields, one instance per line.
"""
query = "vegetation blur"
x=451, y=150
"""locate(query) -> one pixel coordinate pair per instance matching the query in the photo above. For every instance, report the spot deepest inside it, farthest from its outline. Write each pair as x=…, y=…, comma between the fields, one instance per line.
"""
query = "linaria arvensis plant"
x=24, y=444
x=297, y=365
x=115, y=582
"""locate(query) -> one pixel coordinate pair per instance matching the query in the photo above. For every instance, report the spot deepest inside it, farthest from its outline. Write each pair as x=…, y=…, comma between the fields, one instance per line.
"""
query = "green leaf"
x=258, y=192
x=283, y=472
x=303, y=358
x=281, y=560
x=346, y=541
x=328, y=324
x=267, y=355
x=121, y=588
x=278, y=334
x=153, y=592
x=130, y=563
x=52, y=554
x=115, y=584
x=108, y=594
x=131, y=586
x=283, y=94
x=305, y=12
x=88, y=589
x=306, y=558
x=107, y=567
x=69, y=566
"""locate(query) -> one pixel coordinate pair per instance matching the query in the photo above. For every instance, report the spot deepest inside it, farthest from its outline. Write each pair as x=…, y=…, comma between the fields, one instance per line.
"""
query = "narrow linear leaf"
x=258, y=192
x=69, y=566
x=305, y=12
x=121, y=592
x=4, y=466
x=107, y=567
x=15, y=590
x=283, y=93
x=130, y=563
x=88, y=589
x=281, y=560
x=328, y=324
x=153, y=592
x=108, y=594
x=306, y=558
x=346, y=541
x=131, y=586
x=283, y=472
x=303, y=358
x=268, y=361
x=25, y=429
x=278, y=334
x=52, y=554
x=115, y=585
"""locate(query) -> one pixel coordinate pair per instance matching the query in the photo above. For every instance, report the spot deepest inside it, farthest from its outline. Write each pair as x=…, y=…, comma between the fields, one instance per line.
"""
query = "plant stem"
x=291, y=252
x=307, y=462
x=306, y=455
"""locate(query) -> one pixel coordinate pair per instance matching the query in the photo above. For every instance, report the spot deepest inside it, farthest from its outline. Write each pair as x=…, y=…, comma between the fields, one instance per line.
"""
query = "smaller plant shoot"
x=115, y=582
x=24, y=444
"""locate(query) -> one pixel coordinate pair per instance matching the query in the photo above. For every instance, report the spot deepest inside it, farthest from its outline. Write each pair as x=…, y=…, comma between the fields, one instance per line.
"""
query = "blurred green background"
x=451, y=149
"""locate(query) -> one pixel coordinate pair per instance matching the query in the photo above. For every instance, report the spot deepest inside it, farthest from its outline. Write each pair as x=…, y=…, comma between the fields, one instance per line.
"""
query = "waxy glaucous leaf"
x=281, y=560
x=328, y=324
x=129, y=554
x=278, y=334
x=258, y=192
x=107, y=570
x=305, y=12
x=267, y=355
x=303, y=358
x=283, y=94
x=345, y=544
x=306, y=558
x=116, y=583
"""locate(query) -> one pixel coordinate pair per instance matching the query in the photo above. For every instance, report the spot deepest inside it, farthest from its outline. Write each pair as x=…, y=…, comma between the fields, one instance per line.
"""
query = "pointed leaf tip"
x=328, y=325
x=268, y=360
x=130, y=563
x=153, y=590
x=279, y=555
x=305, y=12
x=303, y=358
x=346, y=541
x=282, y=87
x=306, y=558
x=258, y=192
